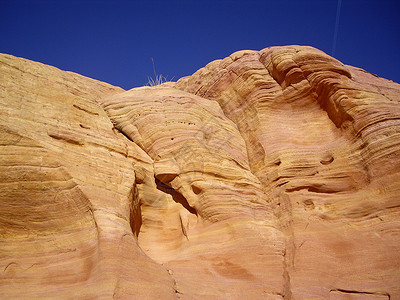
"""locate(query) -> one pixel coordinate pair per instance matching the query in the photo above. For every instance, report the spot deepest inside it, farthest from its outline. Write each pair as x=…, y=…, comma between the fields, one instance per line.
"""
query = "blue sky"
x=114, y=41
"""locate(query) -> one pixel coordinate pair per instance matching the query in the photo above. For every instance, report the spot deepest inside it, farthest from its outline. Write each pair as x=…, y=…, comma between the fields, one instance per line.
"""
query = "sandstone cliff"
x=265, y=175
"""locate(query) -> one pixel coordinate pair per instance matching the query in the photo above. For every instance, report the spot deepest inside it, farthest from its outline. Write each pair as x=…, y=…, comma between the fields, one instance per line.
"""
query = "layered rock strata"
x=266, y=175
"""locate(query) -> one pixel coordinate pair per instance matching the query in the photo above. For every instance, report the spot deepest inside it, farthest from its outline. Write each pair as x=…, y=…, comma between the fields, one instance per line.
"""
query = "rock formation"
x=266, y=175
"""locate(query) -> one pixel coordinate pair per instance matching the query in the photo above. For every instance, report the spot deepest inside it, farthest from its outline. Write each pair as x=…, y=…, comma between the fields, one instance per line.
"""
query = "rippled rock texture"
x=265, y=175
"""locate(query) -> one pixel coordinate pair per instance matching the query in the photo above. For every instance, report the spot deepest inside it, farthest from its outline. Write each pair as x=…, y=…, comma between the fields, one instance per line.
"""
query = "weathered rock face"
x=265, y=175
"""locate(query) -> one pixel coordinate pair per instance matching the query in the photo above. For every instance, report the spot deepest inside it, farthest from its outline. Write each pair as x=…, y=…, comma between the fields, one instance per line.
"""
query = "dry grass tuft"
x=158, y=79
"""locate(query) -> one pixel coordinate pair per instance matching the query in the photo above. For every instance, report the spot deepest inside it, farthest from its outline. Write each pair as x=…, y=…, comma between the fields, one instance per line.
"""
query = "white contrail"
x=336, y=27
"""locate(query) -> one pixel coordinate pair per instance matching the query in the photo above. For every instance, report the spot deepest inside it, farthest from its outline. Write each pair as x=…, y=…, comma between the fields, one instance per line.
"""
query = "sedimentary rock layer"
x=67, y=184
x=266, y=175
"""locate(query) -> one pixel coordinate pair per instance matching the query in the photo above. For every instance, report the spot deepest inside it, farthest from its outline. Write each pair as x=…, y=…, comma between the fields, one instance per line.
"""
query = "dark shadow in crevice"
x=176, y=196
x=136, y=220
x=135, y=213
x=196, y=190
x=336, y=112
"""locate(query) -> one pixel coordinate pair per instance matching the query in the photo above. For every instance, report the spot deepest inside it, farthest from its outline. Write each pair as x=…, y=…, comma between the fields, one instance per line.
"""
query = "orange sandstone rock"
x=265, y=175
x=67, y=184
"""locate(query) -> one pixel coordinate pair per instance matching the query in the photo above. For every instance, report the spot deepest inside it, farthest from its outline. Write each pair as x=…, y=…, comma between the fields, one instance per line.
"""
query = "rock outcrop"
x=266, y=175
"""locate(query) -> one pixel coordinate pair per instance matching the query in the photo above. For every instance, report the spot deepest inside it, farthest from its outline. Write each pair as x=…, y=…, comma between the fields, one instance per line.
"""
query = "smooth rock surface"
x=266, y=175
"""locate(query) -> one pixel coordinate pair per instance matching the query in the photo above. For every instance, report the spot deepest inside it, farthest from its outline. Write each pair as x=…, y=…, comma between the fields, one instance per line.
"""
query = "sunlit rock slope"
x=266, y=175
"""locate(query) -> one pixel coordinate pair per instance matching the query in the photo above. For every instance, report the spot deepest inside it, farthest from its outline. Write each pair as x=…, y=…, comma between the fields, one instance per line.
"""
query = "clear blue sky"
x=114, y=41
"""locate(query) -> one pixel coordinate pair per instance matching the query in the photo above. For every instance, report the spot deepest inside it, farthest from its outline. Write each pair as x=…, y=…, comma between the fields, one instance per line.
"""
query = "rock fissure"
x=176, y=196
x=381, y=295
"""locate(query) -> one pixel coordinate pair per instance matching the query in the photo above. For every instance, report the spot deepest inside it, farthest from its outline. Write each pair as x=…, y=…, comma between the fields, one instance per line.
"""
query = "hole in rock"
x=178, y=197
x=327, y=160
x=136, y=220
x=196, y=190
x=308, y=204
x=135, y=213
x=84, y=126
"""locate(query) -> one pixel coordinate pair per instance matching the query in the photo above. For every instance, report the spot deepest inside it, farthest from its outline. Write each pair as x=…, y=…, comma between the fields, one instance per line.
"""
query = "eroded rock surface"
x=265, y=175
